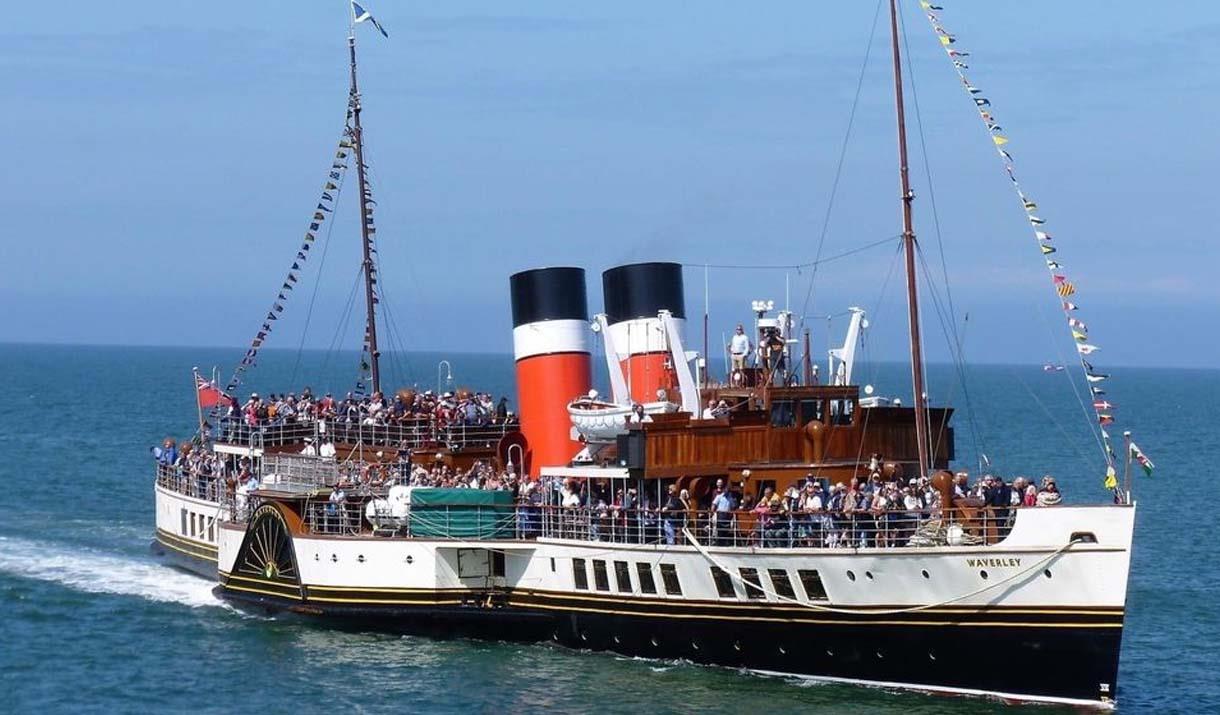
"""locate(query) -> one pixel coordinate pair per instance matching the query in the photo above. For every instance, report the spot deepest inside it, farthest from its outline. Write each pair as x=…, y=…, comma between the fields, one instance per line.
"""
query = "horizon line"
x=508, y=354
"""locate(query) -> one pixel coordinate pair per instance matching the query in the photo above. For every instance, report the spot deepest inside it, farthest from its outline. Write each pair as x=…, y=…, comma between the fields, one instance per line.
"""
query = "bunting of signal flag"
x=277, y=306
x=1064, y=288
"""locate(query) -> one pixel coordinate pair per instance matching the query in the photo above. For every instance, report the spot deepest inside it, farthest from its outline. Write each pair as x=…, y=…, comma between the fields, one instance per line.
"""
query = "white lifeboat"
x=599, y=421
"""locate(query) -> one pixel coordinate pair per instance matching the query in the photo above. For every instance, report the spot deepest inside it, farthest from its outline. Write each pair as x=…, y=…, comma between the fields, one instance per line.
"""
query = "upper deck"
x=407, y=434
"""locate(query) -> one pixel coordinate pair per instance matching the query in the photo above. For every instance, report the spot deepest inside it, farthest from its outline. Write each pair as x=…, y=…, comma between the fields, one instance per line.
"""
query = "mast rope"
x=795, y=266
x=957, y=349
x=330, y=227
x=344, y=319
x=834, y=186
x=321, y=213
x=1064, y=288
x=889, y=612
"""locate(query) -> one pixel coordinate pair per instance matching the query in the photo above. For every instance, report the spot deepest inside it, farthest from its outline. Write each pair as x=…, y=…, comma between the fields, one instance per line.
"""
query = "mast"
x=908, y=242
x=370, y=300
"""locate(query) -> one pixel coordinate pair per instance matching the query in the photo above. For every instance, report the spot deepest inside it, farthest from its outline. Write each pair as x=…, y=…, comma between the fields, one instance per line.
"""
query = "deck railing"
x=734, y=529
x=182, y=481
x=411, y=434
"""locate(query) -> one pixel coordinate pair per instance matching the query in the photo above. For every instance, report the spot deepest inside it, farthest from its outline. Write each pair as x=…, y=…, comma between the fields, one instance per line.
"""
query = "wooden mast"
x=908, y=242
x=370, y=300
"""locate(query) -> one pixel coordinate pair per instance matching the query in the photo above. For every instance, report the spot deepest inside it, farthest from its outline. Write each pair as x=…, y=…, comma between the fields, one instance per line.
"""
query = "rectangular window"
x=841, y=411
x=669, y=576
x=753, y=586
x=580, y=577
x=811, y=411
x=184, y=522
x=811, y=580
x=600, y=579
x=192, y=520
x=647, y=584
x=724, y=583
x=782, y=414
x=212, y=530
x=622, y=574
x=781, y=584
x=497, y=563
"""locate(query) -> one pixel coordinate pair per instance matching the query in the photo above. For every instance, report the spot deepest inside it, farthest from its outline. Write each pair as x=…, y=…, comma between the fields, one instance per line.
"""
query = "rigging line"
x=795, y=266
x=910, y=609
x=941, y=318
x=1066, y=436
x=1090, y=419
x=391, y=322
x=397, y=342
x=875, y=368
x=940, y=245
x=344, y=317
x=834, y=186
x=955, y=343
x=397, y=353
x=395, y=333
x=330, y=227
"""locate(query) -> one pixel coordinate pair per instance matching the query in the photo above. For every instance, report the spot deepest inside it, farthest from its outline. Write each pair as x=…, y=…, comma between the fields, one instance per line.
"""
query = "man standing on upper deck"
x=739, y=347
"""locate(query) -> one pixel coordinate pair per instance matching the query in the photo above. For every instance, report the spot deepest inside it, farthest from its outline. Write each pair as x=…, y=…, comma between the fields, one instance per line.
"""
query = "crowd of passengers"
x=880, y=509
x=201, y=472
x=406, y=407
x=877, y=510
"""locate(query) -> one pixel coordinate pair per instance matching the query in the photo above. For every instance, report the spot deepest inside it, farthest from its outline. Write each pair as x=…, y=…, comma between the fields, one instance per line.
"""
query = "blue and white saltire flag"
x=359, y=14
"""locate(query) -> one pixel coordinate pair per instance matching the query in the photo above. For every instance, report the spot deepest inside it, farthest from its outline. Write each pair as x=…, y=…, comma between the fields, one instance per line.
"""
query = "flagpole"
x=1127, y=467
x=198, y=407
x=923, y=444
x=366, y=238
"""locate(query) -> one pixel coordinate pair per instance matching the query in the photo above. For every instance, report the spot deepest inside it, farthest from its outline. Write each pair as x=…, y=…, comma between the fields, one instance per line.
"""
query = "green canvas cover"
x=462, y=514
x=436, y=496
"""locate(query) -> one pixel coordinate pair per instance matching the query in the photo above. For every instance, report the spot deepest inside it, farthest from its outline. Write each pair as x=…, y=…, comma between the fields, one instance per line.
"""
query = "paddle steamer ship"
x=957, y=597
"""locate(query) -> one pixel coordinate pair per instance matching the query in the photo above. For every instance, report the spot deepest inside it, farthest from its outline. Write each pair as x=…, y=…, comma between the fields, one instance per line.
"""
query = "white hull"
x=188, y=530
x=1034, y=586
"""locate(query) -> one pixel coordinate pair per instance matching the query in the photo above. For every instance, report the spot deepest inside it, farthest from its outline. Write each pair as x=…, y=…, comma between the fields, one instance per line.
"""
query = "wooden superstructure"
x=775, y=436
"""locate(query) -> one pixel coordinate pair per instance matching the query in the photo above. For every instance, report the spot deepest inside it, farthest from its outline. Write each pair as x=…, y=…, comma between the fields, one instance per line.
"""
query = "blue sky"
x=164, y=159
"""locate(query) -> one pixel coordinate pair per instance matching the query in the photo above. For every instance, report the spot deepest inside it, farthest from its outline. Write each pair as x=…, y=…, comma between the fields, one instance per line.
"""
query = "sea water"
x=90, y=622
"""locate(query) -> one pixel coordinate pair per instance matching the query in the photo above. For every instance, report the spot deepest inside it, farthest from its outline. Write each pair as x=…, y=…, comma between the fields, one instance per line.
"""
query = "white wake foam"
x=94, y=571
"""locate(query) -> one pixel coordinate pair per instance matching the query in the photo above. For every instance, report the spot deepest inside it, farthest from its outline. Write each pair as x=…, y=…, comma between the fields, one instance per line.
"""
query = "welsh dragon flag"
x=1140, y=457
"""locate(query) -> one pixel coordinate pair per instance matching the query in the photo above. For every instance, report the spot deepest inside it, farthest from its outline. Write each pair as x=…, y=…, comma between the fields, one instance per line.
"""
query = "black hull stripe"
x=1078, y=663
x=707, y=611
x=185, y=546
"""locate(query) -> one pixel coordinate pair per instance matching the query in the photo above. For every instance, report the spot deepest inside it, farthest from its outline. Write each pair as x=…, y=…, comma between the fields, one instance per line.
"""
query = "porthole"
x=931, y=655
x=616, y=639
x=983, y=575
x=830, y=653
x=1047, y=573
x=869, y=574
x=694, y=645
x=653, y=641
x=360, y=558
x=410, y=559
x=334, y=558
x=782, y=651
x=926, y=574
x=584, y=635
x=851, y=576
x=737, y=646
x=555, y=636
x=316, y=557
x=880, y=656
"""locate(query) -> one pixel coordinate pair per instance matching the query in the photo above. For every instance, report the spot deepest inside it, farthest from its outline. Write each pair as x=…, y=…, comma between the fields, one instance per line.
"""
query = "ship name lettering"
x=994, y=563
